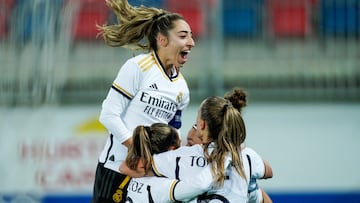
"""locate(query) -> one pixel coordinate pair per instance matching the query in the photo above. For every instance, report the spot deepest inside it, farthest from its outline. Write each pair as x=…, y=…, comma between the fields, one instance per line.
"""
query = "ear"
x=202, y=124
x=162, y=40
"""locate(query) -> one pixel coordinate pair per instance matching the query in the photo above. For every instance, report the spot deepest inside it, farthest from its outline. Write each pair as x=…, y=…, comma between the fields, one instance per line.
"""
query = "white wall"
x=310, y=146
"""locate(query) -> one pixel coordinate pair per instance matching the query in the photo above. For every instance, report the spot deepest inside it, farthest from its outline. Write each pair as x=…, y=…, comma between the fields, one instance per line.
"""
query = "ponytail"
x=227, y=131
x=157, y=138
x=140, y=149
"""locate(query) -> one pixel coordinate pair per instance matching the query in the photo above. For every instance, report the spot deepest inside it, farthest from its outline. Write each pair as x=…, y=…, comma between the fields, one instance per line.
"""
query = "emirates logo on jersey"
x=158, y=101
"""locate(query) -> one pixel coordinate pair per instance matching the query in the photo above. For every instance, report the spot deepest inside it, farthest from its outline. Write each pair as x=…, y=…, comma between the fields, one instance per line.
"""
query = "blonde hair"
x=135, y=24
x=149, y=140
x=227, y=131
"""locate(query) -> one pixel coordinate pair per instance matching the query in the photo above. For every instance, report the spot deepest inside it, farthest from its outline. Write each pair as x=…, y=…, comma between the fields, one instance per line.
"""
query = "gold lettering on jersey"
x=179, y=97
x=118, y=195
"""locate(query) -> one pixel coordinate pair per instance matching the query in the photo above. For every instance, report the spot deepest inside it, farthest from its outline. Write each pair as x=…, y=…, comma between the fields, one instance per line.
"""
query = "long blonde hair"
x=227, y=131
x=135, y=24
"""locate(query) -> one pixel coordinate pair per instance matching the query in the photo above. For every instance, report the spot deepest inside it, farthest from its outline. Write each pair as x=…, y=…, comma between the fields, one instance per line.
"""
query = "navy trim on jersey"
x=156, y=173
x=208, y=197
x=111, y=144
x=176, y=120
x=249, y=160
x=173, y=193
x=162, y=67
x=122, y=93
x=177, y=168
x=149, y=194
x=129, y=200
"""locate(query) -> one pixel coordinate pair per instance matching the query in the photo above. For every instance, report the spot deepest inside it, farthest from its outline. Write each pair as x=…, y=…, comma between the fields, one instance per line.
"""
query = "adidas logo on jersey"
x=153, y=86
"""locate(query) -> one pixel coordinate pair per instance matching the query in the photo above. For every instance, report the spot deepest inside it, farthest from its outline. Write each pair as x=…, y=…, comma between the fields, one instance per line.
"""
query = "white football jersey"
x=180, y=163
x=257, y=169
x=166, y=190
x=186, y=162
x=141, y=94
x=150, y=190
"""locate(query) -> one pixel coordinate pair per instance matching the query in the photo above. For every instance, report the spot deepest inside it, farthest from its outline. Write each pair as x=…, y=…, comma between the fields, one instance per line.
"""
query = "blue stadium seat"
x=31, y=20
x=242, y=18
x=340, y=17
x=147, y=3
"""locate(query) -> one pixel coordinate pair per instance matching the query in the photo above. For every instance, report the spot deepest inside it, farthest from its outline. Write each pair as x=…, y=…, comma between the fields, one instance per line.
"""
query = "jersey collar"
x=174, y=71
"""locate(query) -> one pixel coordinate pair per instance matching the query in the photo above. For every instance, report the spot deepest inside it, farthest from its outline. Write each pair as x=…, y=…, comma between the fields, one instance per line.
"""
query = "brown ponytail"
x=237, y=97
x=157, y=138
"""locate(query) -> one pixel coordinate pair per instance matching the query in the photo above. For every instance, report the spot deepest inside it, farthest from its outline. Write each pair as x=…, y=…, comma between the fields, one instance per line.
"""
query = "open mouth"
x=184, y=54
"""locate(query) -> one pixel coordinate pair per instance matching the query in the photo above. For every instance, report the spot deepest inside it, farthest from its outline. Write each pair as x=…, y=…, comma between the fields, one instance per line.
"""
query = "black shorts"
x=109, y=186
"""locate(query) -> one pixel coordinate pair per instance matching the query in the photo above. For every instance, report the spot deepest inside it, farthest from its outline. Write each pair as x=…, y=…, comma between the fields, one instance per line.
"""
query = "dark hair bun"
x=237, y=97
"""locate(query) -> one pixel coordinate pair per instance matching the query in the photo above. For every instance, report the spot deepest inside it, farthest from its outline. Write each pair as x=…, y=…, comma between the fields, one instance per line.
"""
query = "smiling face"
x=174, y=49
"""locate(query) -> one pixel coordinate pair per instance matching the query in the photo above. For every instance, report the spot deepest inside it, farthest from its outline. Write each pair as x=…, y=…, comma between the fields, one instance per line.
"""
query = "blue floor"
x=341, y=197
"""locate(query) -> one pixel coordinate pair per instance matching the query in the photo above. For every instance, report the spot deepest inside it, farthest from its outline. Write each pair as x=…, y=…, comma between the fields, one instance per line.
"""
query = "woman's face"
x=202, y=129
x=193, y=137
x=178, y=46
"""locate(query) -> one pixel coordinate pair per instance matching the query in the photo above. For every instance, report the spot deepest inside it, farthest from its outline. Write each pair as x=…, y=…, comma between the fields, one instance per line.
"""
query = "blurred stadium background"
x=306, y=50
x=303, y=51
